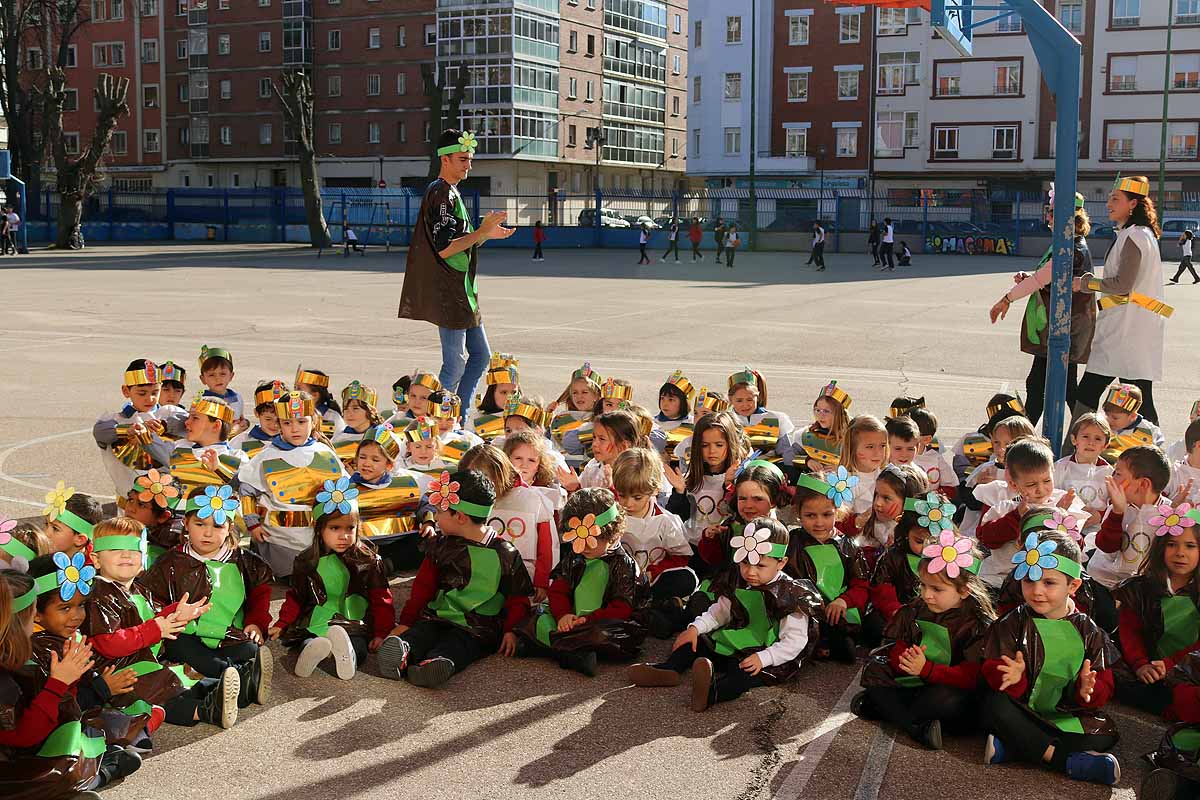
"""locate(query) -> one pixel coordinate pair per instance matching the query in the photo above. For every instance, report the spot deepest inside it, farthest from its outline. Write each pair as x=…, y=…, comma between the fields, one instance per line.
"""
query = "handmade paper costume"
x=125, y=453
x=255, y=439
x=230, y=396
x=768, y=431
x=1141, y=432
x=895, y=582
x=330, y=420
x=163, y=491
x=345, y=440
x=489, y=425
x=525, y=517
x=815, y=449
x=186, y=466
x=387, y=508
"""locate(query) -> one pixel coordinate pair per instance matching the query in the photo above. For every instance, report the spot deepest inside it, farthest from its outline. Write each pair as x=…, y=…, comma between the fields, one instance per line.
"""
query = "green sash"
x=760, y=632
x=1181, y=625
x=336, y=579
x=69, y=739
x=705, y=588
x=1064, y=653
x=461, y=262
x=831, y=576
x=153, y=553
x=145, y=668
x=1186, y=740
x=545, y=625
x=936, y=639
x=480, y=595
x=228, y=596
x=589, y=594
x=914, y=563
x=146, y=612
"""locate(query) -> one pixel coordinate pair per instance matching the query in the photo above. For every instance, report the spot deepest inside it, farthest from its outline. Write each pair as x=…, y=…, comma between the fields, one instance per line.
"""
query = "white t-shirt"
x=819, y=235
x=889, y=234
x=732, y=240
x=14, y=223
x=1186, y=248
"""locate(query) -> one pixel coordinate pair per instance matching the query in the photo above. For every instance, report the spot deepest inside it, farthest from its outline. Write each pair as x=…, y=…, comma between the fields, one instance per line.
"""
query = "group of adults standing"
x=1121, y=336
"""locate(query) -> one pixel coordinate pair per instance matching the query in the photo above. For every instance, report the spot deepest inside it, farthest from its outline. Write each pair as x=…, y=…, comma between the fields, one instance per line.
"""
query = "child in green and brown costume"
x=594, y=591
x=339, y=604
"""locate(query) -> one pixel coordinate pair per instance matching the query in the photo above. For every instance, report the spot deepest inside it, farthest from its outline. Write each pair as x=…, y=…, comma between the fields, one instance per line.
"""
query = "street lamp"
x=822, y=151
x=596, y=139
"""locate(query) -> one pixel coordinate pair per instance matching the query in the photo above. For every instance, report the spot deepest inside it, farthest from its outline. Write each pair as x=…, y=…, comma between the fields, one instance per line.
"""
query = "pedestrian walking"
x=719, y=235
x=695, y=236
x=873, y=242
x=732, y=241
x=1185, y=262
x=817, y=255
x=539, y=236
x=887, y=246
x=643, y=240
x=12, y=224
x=672, y=240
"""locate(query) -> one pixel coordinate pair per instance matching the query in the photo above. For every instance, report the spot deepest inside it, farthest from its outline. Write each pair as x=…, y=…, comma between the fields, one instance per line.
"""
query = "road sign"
x=952, y=21
x=382, y=184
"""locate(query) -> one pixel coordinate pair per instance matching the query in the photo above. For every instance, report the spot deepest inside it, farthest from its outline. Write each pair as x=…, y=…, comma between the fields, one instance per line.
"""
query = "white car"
x=1173, y=227
x=648, y=222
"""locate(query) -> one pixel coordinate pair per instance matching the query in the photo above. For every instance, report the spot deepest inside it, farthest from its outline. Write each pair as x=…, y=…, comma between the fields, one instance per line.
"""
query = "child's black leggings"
x=731, y=680
x=1154, y=698
x=181, y=709
x=432, y=640
x=908, y=708
x=673, y=583
x=208, y=661
x=1026, y=737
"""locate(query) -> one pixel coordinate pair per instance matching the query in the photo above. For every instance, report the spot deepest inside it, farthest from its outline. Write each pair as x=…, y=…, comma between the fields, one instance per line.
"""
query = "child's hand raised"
x=752, y=664
x=119, y=682
x=1116, y=495
x=675, y=478
x=209, y=459
x=1182, y=495
x=913, y=660
x=690, y=638
x=76, y=660
x=428, y=530
x=713, y=531
x=170, y=625
x=189, y=611
x=1066, y=500
x=1087, y=681
x=568, y=478
x=1012, y=669
x=608, y=475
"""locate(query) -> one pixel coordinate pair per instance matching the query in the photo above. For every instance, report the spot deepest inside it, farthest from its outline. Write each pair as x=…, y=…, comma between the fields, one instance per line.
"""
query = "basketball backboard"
x=952, y=21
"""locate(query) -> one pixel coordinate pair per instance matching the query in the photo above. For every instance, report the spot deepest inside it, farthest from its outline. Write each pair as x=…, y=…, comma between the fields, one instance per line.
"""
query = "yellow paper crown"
x=141, y=377
x=207, y=352
x=1121, y=397
x=420, y=429
x=294, y=405
x=900, y=409
x=428, y=380
x=449, y=408
x=681, y=383
x=837, y=394
x=1015, y=404
x=616, y=389
x=356, y=391
x=518, y=408
x=213, y=407
x=170, y=371
x=587, y=373
x=307, y=378
x=503, y=360
x=503, y=374
x=745, y=375
x=385, y=437
x=1132, y=185
x=710, y=401
x=271, y=394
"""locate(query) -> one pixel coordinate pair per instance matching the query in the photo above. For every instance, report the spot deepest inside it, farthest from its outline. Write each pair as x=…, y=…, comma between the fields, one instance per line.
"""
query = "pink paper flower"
x=952, y=553
x=1066, y=523
x=1171, y=520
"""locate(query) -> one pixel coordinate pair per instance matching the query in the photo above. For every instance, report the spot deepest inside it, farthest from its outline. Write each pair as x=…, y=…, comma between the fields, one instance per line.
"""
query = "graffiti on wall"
x=971, y=245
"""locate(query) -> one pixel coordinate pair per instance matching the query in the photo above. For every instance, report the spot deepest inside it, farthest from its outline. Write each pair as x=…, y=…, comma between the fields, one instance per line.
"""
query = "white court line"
x=876, y=766
x=22, y=502
x=4, y=476
x=822, y=737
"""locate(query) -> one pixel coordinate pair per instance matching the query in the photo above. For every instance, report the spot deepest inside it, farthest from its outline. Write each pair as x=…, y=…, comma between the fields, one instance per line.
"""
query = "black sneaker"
x=862, y=707
x=659, y=623
x=929, y=734
x=393, y=657
x=1161, y=784
x=255, y=677
x=431, y=672
x=117, y=763
x=582, y=661
x=220, y=707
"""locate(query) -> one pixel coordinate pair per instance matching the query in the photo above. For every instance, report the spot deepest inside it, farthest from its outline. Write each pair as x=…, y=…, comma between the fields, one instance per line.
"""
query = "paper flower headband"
x=1064, y=522
x=137, y=544
x=157, y=487
x=337, y=495
x=20, y=553
x=936, y=514
x=216, y=502
x=753, y=544
x=465, y=144
x=1036, y=558
x=1174, y=520
x=584, y=534
x=837, y=485
x=951, y=553
x=56, y=510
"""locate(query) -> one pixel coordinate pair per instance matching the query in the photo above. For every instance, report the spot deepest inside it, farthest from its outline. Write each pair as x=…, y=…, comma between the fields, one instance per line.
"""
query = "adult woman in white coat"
x=1131, y=326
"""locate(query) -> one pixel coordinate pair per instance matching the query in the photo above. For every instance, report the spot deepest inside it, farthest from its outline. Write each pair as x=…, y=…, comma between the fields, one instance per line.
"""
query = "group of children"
x=990, y=587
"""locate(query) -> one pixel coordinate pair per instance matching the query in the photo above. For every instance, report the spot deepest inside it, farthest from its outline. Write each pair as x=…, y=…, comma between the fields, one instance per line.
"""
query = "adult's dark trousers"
x=645, y=259
x=208, y=661
x=1186, y=263
x=908, y=708
x=1035, y=387
x=1092, y=386
x=436, y=640
x=887, y=255
x=537, y=250
x=672, y=244
x=818, y=254
x=731, y=680
x=1026, y=737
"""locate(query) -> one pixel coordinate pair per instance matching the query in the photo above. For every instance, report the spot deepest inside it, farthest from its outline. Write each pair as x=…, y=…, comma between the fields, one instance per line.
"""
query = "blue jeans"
x=465, y=357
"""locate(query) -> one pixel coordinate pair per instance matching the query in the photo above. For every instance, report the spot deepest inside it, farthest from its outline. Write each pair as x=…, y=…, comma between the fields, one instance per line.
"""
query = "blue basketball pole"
x=1060, y=57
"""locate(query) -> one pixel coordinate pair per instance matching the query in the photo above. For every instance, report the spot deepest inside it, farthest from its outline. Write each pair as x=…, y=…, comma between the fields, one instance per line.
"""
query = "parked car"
x=638, y=222
x=1172, y=227
x=608, y=218
x=1102, y=231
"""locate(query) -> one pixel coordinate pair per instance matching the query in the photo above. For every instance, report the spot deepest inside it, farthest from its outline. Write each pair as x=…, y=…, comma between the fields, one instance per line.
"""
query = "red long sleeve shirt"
x=665, y=563
x=545, y=555
x=883, y=598
x=1133, y=643
x=710, y=549
x=1112, y=529
x=425, y=588
x=1000, y=531
x=857, y=594
x=964, y=675
x=38, y=720
x=1101, y=693
x=257, y=608
x=128, y=641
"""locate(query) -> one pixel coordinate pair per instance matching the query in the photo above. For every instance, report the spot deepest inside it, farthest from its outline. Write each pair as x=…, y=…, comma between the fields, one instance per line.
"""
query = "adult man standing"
x=887, y=247
x=439, y=280
x=818, y=246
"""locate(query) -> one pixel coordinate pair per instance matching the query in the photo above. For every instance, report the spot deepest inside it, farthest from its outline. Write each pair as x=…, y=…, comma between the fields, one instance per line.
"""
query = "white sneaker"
x=344, y=657
x=315, y=651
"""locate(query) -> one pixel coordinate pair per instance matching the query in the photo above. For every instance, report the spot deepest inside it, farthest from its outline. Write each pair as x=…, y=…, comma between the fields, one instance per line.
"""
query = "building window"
x=1187, y=71
x=895, y=21
x=945, y=142
x=949, y=80
x=402, y=132
x=591, y=45
x=70, y=100
x=1008, y=79
x=120, y=143
x=1004, y=142
x=677, y=27
x=795, y=142
x=696, y=142
x=373, y=39
x=149, y=51
x=264, y=87
x=223, y=45
x=1187, y=12
x=401, y=36
x=430, y=35
x=573, y=42
x=372, y=133
x=797, y=87
x=1070, y=14
x=674, y=147
x=333, y=86
x=1118, y=142
x=181, y=48
x=264, y=41
x=151, y=141
x=733, y=30
x=1126, y=13
x=71, y=143
x=850, y=28
x=733, y=86
x=428, y=131
x=108, y=55
x=847, y=85
x=1010, y=24
x=33, y=58
x=226, y=89
x=226, y=134
x=1122, y=74
x=698, y=35
x=847, y=142
x=1183, y=140
x=372, y=85
x=590, y=96
x=572, y=134
x=149, y=8
x=184, y=92
x=897, y=70
x=150, y=96
x=797, y=30
x=335, y=40
x=675, y=106
x=696, y=89
x=676, y=64
x=72, y=55
x=572, y=88
x=264, y=133
x=733, y=141
x=401, y=83
x=894, y=131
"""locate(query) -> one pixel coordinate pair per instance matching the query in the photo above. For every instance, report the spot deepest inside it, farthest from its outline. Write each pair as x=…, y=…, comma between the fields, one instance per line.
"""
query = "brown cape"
x=451, y=556
x=433, y=290
x=965, y=625
x=367, y=572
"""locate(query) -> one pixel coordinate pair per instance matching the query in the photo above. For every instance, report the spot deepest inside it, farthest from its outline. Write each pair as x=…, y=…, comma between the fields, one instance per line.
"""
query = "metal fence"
x=929, y=220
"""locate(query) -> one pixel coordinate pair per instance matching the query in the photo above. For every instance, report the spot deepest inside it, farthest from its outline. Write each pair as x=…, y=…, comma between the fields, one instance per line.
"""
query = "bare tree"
x=20, y=101
x=445, y=103
x=78, y=176
x=297, y=101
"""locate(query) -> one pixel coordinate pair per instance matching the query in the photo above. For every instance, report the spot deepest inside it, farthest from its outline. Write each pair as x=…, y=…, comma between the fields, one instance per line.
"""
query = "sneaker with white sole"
x=393, y=657
x=1101, y=768
x=431, y=672
x=345, y=660
x=993, y=751
x=315, y=650
x=220, y=707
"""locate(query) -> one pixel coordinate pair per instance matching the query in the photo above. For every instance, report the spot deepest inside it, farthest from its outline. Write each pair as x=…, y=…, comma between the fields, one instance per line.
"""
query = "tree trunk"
x=297, y=100
x=314, y=210
x=444, y=104
x=70, y=219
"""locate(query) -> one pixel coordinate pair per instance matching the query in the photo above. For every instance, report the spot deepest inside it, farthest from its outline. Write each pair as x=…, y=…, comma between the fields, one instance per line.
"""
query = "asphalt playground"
x=69, y=323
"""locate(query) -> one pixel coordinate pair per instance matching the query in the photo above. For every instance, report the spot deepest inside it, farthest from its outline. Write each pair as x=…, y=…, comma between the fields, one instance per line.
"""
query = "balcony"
x=768, y=164
x=1182, y=153
x=1006, y=90
x=1120, y=153
x=1126, y=22
x=1122, y=83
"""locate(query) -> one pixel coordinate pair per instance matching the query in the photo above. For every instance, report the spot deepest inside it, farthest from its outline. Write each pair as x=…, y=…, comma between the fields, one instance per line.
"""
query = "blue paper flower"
x=937, y=514
x=218, y=503
x=1034, y=558
x=841, y=486
x=337, y=496
x=74, y=575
